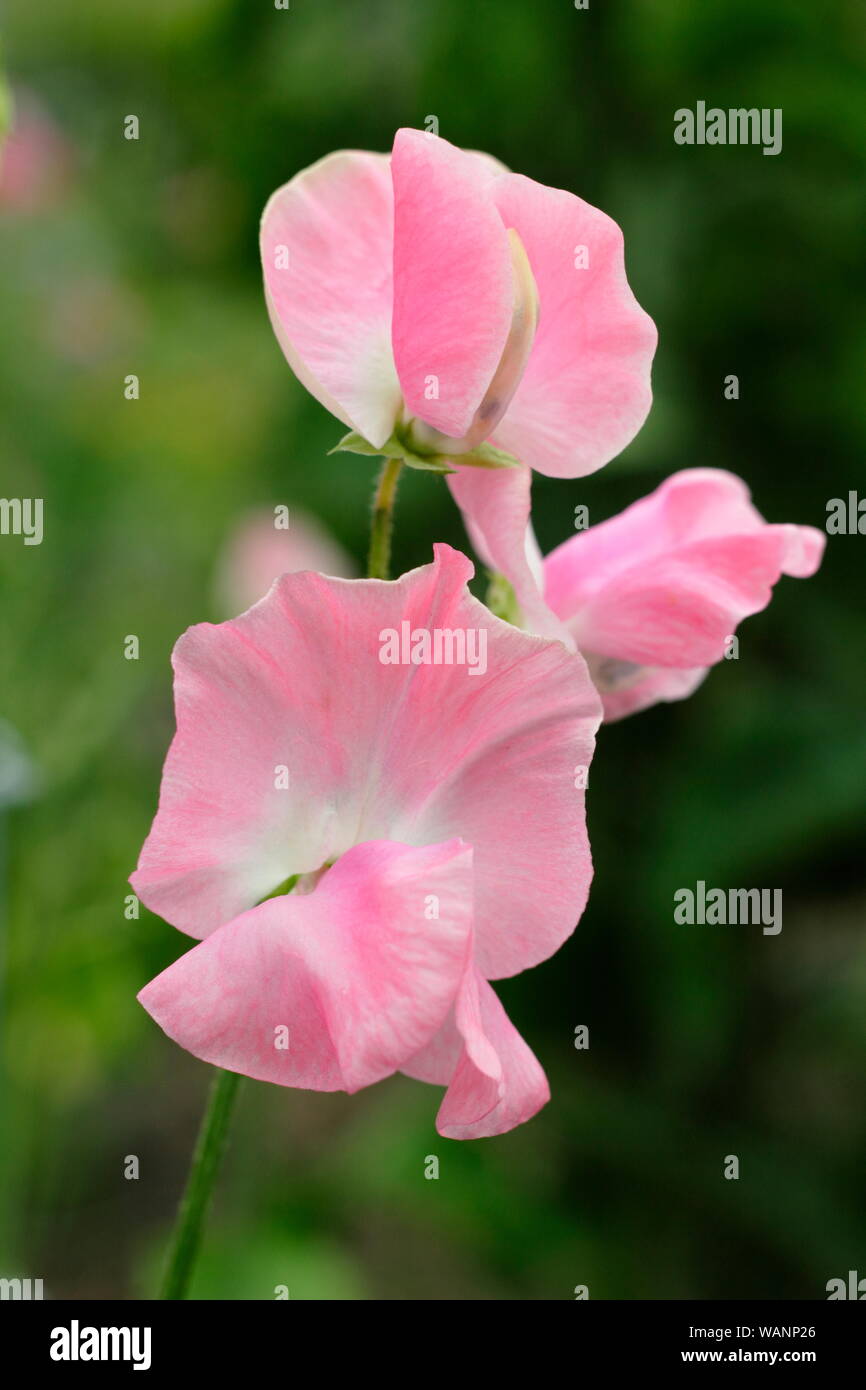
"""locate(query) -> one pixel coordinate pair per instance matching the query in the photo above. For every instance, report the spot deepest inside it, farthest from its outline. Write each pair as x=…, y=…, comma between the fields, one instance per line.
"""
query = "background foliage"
x=704, y=1041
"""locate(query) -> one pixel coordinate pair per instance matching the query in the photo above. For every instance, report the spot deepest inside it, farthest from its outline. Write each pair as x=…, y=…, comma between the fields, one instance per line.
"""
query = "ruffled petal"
x=494, y=1081
x=335, y=989
x=585, y=391
x=626, y=688
x=667, y=582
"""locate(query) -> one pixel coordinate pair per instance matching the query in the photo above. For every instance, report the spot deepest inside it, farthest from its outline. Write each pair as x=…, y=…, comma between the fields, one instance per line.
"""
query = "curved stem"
x=209, y=1150
x=382, y=524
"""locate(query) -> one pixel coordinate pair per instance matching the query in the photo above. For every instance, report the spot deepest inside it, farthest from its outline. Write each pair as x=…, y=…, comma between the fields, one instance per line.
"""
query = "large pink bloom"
x=435, y=293
x=431, y=810
x=652, y=596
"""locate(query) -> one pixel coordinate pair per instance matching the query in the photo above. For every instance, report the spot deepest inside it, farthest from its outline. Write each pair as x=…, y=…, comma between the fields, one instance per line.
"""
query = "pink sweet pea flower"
x=652, y=596
x=432, y=812
x=35, y=159
x=259, y=550
x=434, y=296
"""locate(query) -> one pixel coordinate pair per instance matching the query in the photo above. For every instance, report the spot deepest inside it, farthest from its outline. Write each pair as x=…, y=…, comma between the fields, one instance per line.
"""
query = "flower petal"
x=631, y=691
x=453, y=287
x=585, y=391
x=666, y=583
x=327, y=252
x=335, y=989
x=494, y=1081
x=495, y=504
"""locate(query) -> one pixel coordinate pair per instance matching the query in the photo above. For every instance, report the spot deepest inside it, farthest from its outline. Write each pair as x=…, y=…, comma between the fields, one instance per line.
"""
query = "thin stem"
x=382, y=524
x=209, y=1150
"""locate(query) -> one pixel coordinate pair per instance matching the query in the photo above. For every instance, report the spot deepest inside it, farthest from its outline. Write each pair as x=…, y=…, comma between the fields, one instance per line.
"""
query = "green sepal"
x=502, y=600
x=485, y=456
x=393, y=448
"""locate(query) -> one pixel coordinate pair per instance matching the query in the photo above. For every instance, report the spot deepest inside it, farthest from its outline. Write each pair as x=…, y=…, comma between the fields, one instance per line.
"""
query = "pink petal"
x=413, y=753
x=585, y=391
x=494, y=1081
x=627, y=691
x=667, y=582
x=357, y=971
x=803, y=550
x=453, y=293
x=331, y=306
x=496, y=506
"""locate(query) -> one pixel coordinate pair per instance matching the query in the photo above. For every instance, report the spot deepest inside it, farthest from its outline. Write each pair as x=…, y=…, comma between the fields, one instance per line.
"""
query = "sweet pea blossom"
x=35, y=159
x=258, y=551
x=429, y=823
x=653, y=596
x=433, y=301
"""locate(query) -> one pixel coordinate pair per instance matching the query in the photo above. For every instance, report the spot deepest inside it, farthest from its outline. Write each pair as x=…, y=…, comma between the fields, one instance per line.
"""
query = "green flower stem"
x=209, y=1150
x=382, y=524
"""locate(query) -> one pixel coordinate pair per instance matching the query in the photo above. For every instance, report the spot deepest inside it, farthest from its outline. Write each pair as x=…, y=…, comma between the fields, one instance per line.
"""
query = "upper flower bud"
x=435, y=295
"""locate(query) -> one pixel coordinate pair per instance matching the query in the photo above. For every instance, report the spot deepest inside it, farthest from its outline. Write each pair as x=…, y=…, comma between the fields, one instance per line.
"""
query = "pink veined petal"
x=666, y=583
x=494, y=1081
x=360, y=972
x=496, y=506
x=330, y=305
x=516, y=739
x=679, y=609
x=295, y=741
x=627, y=692
x=453, y=288
x=585, y=391
x=694, y=504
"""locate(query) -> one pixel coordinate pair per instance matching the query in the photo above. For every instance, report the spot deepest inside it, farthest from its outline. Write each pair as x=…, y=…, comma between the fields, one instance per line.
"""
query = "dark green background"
x=705, y=1041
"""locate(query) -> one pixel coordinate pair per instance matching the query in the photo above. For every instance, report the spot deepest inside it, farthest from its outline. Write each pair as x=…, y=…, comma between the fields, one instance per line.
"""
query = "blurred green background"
x=142, y=257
